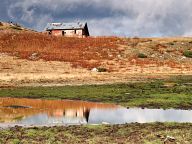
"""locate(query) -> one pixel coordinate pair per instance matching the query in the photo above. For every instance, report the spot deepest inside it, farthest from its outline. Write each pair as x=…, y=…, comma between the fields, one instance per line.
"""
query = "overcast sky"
x=105, y=17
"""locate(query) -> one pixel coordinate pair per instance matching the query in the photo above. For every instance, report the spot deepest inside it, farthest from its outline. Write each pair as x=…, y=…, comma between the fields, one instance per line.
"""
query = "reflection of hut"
x=56, y=108
x=58, y=113
x=72, y=113
x=87, y=112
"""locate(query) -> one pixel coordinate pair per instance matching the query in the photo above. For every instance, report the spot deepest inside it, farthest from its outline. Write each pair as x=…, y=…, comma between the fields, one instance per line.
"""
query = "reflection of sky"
x=44, y=119
x=123, y=115
x=113, y=116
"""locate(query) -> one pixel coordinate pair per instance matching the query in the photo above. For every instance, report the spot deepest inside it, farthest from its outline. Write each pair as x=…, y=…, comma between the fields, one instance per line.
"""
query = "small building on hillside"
x=68, y=29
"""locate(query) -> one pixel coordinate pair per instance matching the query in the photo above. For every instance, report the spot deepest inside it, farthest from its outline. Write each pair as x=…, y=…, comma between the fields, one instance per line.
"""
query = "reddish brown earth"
x=30, y=58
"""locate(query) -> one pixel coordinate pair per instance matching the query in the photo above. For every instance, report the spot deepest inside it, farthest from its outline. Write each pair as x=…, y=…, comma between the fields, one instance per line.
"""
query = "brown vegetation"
x=80, y=52
x=118, y=56
x=93, y=52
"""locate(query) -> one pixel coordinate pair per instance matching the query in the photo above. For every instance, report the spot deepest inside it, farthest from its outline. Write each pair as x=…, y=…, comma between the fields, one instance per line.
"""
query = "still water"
x=30, y=112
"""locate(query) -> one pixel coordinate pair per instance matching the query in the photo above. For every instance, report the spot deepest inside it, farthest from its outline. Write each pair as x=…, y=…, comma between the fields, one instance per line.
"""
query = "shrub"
x=171, y=43
x=141, y=55
x=1, y=24
x=101, y=69
x=187, y=53
x=16, y=28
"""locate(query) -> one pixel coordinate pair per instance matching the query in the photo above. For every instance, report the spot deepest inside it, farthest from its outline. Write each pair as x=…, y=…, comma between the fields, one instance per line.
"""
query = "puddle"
x=30, y=112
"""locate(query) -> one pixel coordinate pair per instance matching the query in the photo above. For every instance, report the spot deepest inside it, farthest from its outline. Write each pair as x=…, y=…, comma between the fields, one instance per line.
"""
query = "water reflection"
x=43, y=112
x=54, y=112
x=122, y=115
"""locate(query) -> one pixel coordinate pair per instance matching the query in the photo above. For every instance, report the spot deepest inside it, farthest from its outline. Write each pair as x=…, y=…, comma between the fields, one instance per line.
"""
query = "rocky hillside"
x=10, y=26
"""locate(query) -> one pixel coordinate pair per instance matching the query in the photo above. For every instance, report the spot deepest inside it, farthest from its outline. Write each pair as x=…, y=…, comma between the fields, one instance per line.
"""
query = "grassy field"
x=155, y=133
x=173, y=93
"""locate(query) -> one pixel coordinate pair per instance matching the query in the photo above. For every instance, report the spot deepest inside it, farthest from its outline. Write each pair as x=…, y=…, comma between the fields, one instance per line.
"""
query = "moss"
x=187, y=53
x=15, y=141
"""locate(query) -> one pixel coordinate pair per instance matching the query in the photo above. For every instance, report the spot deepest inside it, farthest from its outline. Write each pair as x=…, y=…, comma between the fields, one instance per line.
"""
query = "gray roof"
x=59, y=26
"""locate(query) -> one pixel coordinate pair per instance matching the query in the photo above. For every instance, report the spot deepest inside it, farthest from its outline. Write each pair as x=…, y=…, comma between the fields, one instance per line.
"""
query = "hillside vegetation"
x=74, y=50
x=110, y=52
x=33, y=58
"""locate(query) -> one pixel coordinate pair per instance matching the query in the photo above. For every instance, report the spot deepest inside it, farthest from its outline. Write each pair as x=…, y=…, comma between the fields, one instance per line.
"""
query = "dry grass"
x=112, y=53
x=119, y=56
x=75, y=50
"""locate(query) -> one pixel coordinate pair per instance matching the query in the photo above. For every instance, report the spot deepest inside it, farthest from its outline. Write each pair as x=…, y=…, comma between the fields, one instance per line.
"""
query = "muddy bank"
x=129, y=133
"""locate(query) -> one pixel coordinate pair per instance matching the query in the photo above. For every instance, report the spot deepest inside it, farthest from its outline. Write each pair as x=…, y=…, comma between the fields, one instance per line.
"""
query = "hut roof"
x=65, y=26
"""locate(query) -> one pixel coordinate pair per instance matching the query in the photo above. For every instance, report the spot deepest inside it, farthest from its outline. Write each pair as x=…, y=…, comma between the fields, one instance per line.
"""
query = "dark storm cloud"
x=78, y=12
x=3, y=10
x=106, y=17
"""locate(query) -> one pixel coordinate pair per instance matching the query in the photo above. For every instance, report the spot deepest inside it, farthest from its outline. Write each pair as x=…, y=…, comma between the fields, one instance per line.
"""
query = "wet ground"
x=155, y=133
x=36, y=112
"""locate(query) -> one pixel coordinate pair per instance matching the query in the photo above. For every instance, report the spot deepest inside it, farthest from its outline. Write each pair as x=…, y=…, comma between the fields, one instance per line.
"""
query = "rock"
x=169, y=139
x=119, y=56
x=160, y=136
x=184, y=57
x=105, y=123
x=99, y=70
x=133, y=60
x=95, y=70
x=34, y=56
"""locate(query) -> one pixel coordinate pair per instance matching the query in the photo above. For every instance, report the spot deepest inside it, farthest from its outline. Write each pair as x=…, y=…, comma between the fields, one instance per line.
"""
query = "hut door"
x=63, y=33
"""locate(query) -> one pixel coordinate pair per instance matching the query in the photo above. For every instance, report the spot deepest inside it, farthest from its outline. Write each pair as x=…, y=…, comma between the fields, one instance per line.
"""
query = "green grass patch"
x=187, y=53
x=152, y=94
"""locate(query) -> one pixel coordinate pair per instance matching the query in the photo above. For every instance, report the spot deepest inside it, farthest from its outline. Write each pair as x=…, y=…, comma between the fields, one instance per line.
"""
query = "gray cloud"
x=108, y=17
